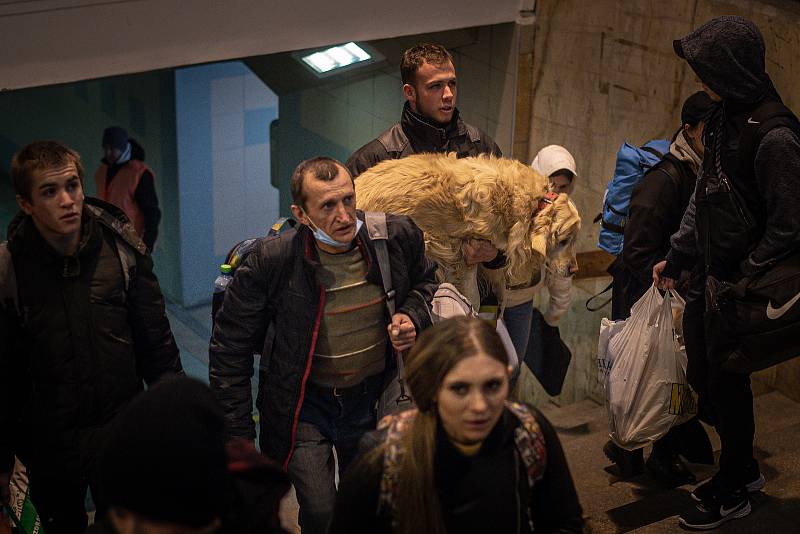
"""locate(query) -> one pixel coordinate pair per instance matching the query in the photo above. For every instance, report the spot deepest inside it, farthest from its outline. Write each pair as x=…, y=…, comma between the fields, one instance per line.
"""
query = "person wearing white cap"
x=556, y=163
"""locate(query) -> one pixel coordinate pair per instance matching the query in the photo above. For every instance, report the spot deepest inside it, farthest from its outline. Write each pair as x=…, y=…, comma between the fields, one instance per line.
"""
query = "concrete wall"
x=595, y=74
x=76, y=114
x=223, y=120
x=336, y=119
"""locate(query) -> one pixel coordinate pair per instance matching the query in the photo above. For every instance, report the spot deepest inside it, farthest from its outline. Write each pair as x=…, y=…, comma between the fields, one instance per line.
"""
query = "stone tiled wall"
x=595, y=74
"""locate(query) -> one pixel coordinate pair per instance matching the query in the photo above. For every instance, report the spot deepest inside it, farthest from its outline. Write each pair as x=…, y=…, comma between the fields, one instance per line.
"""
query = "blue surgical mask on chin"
x=324, y=238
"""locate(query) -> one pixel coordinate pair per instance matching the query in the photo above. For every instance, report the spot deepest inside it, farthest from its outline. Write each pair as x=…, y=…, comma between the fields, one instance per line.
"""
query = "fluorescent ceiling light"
x=336, y=57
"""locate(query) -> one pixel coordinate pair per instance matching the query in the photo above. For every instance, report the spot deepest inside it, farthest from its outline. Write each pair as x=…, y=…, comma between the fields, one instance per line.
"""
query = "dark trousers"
x=726, y=398
x=59, y=498
x=59, y=477
x=330, y=419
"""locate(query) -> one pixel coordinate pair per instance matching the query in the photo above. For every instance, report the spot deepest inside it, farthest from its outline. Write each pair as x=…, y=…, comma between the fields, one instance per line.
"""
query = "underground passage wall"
x=595, y=74
x=76, y=114
x=338, y=117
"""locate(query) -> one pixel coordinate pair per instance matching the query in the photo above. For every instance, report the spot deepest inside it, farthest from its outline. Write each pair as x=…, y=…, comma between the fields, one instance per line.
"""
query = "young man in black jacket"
x=82, y=328
x=728, y=56
x=312, y=301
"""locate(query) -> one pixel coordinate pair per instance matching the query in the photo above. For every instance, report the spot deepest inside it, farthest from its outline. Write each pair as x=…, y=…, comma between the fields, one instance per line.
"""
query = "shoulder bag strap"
x=379, y=234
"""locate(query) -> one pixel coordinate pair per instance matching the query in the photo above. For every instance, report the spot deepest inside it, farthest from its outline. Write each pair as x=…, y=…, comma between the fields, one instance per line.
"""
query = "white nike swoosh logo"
x=723, y=511
x=751, y=121
x=777, y=313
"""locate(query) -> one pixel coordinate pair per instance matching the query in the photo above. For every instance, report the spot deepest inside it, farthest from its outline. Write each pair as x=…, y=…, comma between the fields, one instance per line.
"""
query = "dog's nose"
x=573, y=267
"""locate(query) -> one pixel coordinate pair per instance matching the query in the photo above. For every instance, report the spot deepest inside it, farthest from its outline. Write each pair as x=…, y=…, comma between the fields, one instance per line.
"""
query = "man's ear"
x=299, y=215
x=24, y=205
x=409, y=92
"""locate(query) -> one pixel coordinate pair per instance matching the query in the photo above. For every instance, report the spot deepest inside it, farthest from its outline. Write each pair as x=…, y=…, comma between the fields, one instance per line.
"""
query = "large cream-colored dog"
x=496, y=199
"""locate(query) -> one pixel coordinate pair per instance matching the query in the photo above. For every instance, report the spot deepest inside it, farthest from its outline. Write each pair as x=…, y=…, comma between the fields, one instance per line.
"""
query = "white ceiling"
x=45, y=42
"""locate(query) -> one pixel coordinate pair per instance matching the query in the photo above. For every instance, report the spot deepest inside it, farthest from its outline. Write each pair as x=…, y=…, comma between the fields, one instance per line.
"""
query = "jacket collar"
x=423, y=133
x=29, y=241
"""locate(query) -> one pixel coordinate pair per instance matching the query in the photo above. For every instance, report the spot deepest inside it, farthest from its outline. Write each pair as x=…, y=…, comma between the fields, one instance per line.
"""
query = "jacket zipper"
x=299, y=405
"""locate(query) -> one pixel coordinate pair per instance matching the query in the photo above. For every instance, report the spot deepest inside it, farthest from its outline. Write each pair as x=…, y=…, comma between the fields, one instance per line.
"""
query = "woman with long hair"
x=465, y=459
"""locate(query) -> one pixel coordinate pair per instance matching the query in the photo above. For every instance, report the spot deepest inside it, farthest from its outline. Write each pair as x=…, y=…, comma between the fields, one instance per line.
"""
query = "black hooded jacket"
x=414, y=135
x=728, y=55
x=84, y=344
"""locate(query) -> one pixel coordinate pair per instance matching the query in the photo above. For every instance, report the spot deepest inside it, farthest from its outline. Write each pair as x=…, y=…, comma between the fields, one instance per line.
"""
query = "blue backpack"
x=632, y=163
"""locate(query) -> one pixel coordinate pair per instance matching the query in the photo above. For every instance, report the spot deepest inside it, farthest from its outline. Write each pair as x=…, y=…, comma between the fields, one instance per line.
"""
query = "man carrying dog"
x=82, y=328
x=312, y=301
x=430, y=122
x=742, y=219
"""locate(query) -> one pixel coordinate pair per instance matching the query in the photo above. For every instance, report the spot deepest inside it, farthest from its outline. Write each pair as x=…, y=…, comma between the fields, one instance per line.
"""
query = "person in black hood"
x=431, y=123
x=744, y=160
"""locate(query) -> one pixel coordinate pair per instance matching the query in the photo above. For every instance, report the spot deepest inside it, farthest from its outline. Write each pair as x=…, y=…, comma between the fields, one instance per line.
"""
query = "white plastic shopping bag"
x=646, y=388
x=605, y=362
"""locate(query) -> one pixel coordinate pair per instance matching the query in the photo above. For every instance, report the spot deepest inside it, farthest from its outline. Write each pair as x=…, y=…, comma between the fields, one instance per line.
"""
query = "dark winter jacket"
x=84, y=345
x=656, y=209
x=275, y=290
x=727, y=53
x=488, y=492
x=414, y=135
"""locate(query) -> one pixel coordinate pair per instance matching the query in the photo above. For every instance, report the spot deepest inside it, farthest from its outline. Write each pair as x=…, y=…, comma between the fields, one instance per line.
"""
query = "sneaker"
x=711, y=514
x=630, y=463
x=707, y=490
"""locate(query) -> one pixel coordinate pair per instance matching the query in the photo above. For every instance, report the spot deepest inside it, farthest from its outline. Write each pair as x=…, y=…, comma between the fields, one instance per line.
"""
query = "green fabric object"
x=20, y=509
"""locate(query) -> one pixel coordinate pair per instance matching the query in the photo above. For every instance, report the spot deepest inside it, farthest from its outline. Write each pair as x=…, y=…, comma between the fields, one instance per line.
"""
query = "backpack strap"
x=396, y=426
x=278, y=226
x=529, y=441
x=127, y=259
x=123, y=229
x=9, y=299
x=127, y=242
x=766, y=117
x=379, y=235
x=378, y=232
x=652, y=151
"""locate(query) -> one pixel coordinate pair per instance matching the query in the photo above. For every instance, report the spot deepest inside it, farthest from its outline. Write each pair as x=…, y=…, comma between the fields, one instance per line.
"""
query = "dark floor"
x=638, y=505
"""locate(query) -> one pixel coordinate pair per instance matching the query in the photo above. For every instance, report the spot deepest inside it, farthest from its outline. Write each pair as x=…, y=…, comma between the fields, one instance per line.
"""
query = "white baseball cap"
x=553, y=158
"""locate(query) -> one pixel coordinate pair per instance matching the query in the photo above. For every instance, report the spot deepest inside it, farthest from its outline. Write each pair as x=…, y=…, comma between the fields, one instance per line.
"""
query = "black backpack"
x=238, y=253
x=759, y=311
